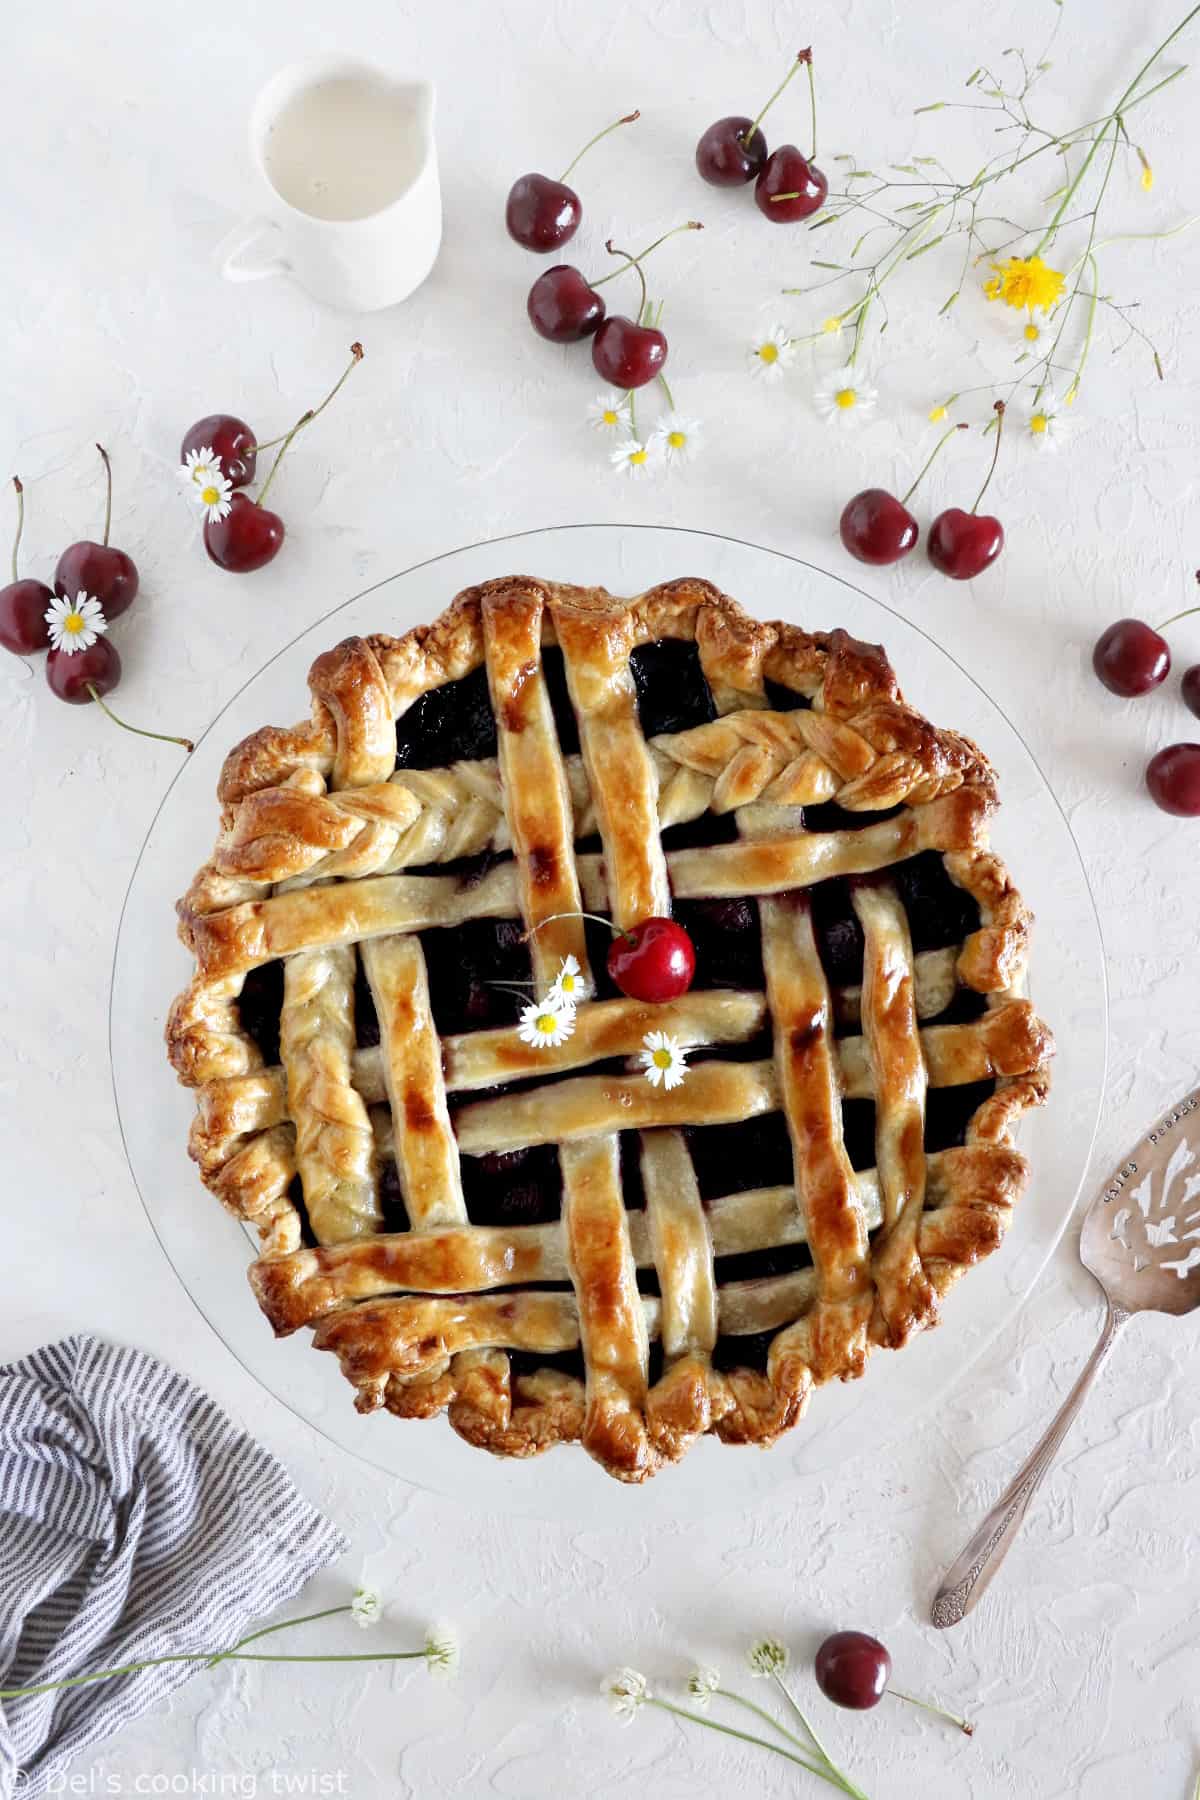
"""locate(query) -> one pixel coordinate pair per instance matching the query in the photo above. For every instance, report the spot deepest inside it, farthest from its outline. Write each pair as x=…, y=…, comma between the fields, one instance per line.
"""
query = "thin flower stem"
x=356, y=356
x=628, y=119
x=999, y=412
x=822, y=1752
x=632, y=414
x=107, y=492
x=666, y=390
x=362, y=1656
x=772, y=1721
x=1093, y=300
x=964, y=1725
x=330, y=1612
x=746, y=1737
x=594, y=917
x=72, y=1681
x=20, y=493
x=804, y=56
x=162, y=737
x=945, y=438
x=1087, y=253
x=812, y=106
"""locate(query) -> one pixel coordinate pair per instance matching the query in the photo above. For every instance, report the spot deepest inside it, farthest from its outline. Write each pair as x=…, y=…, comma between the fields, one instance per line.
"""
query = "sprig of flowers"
x=676, y=438
x=628, y=1692
x=916, y=206
x=439, y=1652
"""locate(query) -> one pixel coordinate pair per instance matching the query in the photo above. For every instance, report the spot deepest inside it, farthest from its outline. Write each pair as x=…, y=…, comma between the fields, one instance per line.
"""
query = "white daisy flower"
x=571, y=985
x=212, y=496
x=442, y=1653
x=609, y=411
x=1045, y=422
x=200, y=466
x=366, y=1607
x=772, y=354
x=546, y=1023
x=626, y=1692
x=664, y=1060
x=767, y=1657
x=75, y=624
x=678, y=439
x=845, y=396
x=702, y=1685
x=632, y=457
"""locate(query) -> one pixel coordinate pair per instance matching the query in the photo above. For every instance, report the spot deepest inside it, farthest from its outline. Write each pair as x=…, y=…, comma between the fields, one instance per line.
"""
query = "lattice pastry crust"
x=318, y=826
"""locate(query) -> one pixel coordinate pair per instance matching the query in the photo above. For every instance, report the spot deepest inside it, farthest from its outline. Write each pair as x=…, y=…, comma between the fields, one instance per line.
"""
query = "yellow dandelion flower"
x=936, y=414
x=1026, y=282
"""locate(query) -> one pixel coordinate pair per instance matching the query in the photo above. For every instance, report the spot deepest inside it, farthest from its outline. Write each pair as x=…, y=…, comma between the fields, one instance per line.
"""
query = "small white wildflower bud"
x=703, y=1684
x=442, y=1651
x=626, y=1693
x=767, y=1657
x=366, y=1607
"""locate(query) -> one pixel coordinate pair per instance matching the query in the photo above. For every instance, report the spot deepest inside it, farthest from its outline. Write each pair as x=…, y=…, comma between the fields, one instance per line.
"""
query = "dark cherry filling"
x=554, y=672
x=785, y=699
x=449, y=724
x=858, y=1129
x=699, y=833
x=259, y=1007
x=838, y=933
x=366, y=1019
x=727, y=940
x=730, y=1158
x=744, y=1352
x=939, y=912
x=465, y=963
x=948, y=1112
x=829, y=816
x=513, y=1187
x=391, y=1200
x=672, y=692
x=528, y=1362
x=296, y=1196
x=759, y=1265
x=965, y=1007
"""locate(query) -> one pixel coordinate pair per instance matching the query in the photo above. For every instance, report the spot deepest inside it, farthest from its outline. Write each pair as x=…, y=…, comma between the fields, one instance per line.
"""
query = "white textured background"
x=123, y=163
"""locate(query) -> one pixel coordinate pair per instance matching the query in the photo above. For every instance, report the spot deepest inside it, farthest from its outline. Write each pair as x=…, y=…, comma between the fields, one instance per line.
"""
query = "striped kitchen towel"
x=135, y=1521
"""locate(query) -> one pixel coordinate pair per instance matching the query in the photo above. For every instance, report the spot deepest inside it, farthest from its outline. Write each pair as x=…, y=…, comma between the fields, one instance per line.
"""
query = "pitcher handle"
x=240, y=239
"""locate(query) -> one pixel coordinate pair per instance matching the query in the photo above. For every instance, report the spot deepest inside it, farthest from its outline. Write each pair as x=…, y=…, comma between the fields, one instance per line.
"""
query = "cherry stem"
x=804, y=56
x=594, y=917
x=633, y=261
x=356, y=356
x=629, y=119
x=999, y=410
x=20, y=492
x=107, y=493
x=138, y=731
x=1173, y=620
x=964, y=1725
x=945, y=438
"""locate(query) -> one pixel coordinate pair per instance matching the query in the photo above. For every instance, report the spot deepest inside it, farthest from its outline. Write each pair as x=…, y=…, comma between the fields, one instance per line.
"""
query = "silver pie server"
x=1141, y=1241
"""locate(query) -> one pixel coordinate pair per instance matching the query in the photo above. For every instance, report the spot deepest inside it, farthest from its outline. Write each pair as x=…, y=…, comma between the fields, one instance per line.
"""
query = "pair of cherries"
x=788, y=185
x=877, y=528
x=249, y=536
x=86, y=571
x=563, y=305
x=1130, y=659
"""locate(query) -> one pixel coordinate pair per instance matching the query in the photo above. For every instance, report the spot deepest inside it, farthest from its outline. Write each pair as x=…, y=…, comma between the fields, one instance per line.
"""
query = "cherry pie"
x=535, y=1238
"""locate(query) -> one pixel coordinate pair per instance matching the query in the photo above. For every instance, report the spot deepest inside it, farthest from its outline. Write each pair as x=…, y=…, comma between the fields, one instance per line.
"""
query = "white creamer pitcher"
x=347, y=167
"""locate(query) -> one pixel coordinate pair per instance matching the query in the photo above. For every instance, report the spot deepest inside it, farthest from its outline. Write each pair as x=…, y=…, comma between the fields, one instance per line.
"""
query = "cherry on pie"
x=535, y=1238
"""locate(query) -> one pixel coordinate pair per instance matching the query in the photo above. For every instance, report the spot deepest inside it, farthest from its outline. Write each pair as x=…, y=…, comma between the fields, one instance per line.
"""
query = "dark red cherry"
x=853, y=1670
x=248, y=537
x=626, y=354
x=788, y=171
x=1131, y=657
x=228, y=437
x=726, y=156
x=963, y=544
x=100, y=570
x=1173, y=778
x=877, y=528
x=23, y=627
x=562, y=307
x=71, y=676
x=653, y=961
x=1189, y=687
x=542, y=214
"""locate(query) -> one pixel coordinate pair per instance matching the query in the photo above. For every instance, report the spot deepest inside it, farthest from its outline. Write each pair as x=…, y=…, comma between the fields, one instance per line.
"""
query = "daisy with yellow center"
x=663, y=1060
x=632, y=457
x=678, y=439
x=75, y=624
x=212, y=496
x=571, y=985
x=1045, y=423
x=546, y=1023
x=845, y=396
x=771, y=354
x=200, y=466
x=1032, y=332
x=1026, y=282
x=609, y=412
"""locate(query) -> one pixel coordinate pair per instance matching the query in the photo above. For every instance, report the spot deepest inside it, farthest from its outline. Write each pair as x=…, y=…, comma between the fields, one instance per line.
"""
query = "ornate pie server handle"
x=967, y=1577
